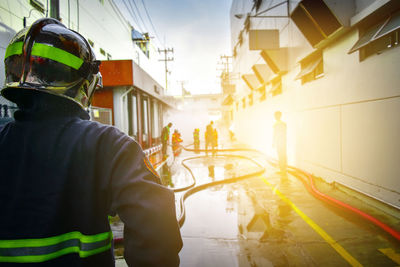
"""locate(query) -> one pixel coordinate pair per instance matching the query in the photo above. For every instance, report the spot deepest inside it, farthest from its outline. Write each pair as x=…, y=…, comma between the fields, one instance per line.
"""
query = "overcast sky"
x=199, y=32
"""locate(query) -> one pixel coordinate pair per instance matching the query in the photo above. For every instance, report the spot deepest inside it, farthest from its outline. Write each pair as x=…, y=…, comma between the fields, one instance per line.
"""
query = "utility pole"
x=225, y=62
x=225, y=70
x=166, y=59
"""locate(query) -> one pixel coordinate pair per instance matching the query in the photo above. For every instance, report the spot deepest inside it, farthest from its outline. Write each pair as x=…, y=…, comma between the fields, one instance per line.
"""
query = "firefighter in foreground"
x=62, y=175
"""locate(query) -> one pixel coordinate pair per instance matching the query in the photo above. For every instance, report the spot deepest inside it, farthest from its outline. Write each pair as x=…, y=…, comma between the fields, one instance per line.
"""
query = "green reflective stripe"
x=56, y=54
x=47, y=51
x=43, y=249
x=53, y=240
x=53, y=248
x=50, y=256
x=14, y=49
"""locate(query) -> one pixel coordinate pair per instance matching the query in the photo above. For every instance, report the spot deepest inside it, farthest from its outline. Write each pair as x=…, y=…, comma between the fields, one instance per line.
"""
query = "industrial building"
x=331, y=68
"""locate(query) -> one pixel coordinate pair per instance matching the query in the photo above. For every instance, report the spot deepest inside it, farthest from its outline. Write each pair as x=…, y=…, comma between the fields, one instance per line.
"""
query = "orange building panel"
x=116, y=72
x=103, y=99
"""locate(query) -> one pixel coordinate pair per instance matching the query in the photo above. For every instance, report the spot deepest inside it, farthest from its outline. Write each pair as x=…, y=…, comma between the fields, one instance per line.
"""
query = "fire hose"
x=305, y=177
x=298, y=173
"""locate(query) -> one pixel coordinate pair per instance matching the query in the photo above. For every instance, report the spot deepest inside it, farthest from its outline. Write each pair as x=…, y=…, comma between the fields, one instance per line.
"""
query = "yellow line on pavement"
x=339, y=249
x=389, y=252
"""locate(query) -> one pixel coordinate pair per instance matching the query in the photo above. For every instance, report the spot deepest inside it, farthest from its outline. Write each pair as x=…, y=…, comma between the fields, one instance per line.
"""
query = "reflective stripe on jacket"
x=44, y=249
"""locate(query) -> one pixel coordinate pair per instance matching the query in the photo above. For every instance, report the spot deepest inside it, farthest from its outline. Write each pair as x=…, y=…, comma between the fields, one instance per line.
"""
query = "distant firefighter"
x=214, y=141
x=209, y=133
x=279, y=142
x=165, y=138
x=196, y=139
x=176, y=143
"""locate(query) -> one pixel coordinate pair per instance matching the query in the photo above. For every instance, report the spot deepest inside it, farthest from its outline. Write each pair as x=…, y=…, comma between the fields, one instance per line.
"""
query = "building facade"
x=331, y=68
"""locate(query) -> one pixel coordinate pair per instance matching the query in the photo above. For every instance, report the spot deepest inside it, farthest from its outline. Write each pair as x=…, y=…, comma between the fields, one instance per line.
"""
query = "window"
x=312, y=68
x=55, y=9
x=91, y=43
x=155, y=127
x=134, y=118
x=145, y=123
x=125, y=114
x=378, y=37
x=251, y=102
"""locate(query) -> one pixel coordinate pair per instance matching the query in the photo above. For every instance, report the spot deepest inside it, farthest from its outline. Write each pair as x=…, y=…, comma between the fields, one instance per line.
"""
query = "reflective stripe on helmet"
x=44, y=249
x=47, y=51
x=14, y=49
x=56, y=54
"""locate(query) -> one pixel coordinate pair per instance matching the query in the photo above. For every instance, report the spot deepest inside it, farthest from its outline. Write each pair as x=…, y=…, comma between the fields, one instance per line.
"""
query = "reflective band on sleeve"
x=56, y=54
x=44, y=249
x=14, y=49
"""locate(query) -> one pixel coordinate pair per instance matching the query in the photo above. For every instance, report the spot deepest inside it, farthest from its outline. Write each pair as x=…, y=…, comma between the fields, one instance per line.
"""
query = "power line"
x=132, y=14
x=140, y=16
x=151, y=23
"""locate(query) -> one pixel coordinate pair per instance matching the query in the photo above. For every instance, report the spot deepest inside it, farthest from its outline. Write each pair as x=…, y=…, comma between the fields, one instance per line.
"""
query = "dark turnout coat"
x=61, y=175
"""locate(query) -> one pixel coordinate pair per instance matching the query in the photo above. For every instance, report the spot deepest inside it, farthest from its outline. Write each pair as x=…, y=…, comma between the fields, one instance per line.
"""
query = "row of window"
x=102, y=51
x=142, y=121
x=378, y=37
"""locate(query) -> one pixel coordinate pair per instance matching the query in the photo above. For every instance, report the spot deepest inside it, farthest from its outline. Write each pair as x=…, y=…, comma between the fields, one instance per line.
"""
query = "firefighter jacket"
x=176, y=138
x=61, y=176
x=165, y=134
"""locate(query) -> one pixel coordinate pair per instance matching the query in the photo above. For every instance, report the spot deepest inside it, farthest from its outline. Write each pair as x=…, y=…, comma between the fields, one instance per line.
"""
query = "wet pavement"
x=270, y=221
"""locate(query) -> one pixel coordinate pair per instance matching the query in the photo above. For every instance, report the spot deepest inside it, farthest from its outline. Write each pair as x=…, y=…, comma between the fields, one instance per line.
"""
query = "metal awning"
x=137, y=36
x=262, y=71
x=308, y=68
x=390, y=26
x=228, y=101
x=251, y=81
x=277, y=60
x=366, y=38
x=275, y=89
x=377, y=31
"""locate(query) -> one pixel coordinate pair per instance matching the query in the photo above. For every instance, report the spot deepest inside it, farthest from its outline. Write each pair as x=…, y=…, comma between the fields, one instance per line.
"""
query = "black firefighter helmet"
x=50, y=58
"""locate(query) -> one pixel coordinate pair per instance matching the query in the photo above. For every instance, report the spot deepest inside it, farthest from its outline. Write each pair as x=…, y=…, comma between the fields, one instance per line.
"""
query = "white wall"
x=343, y=126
